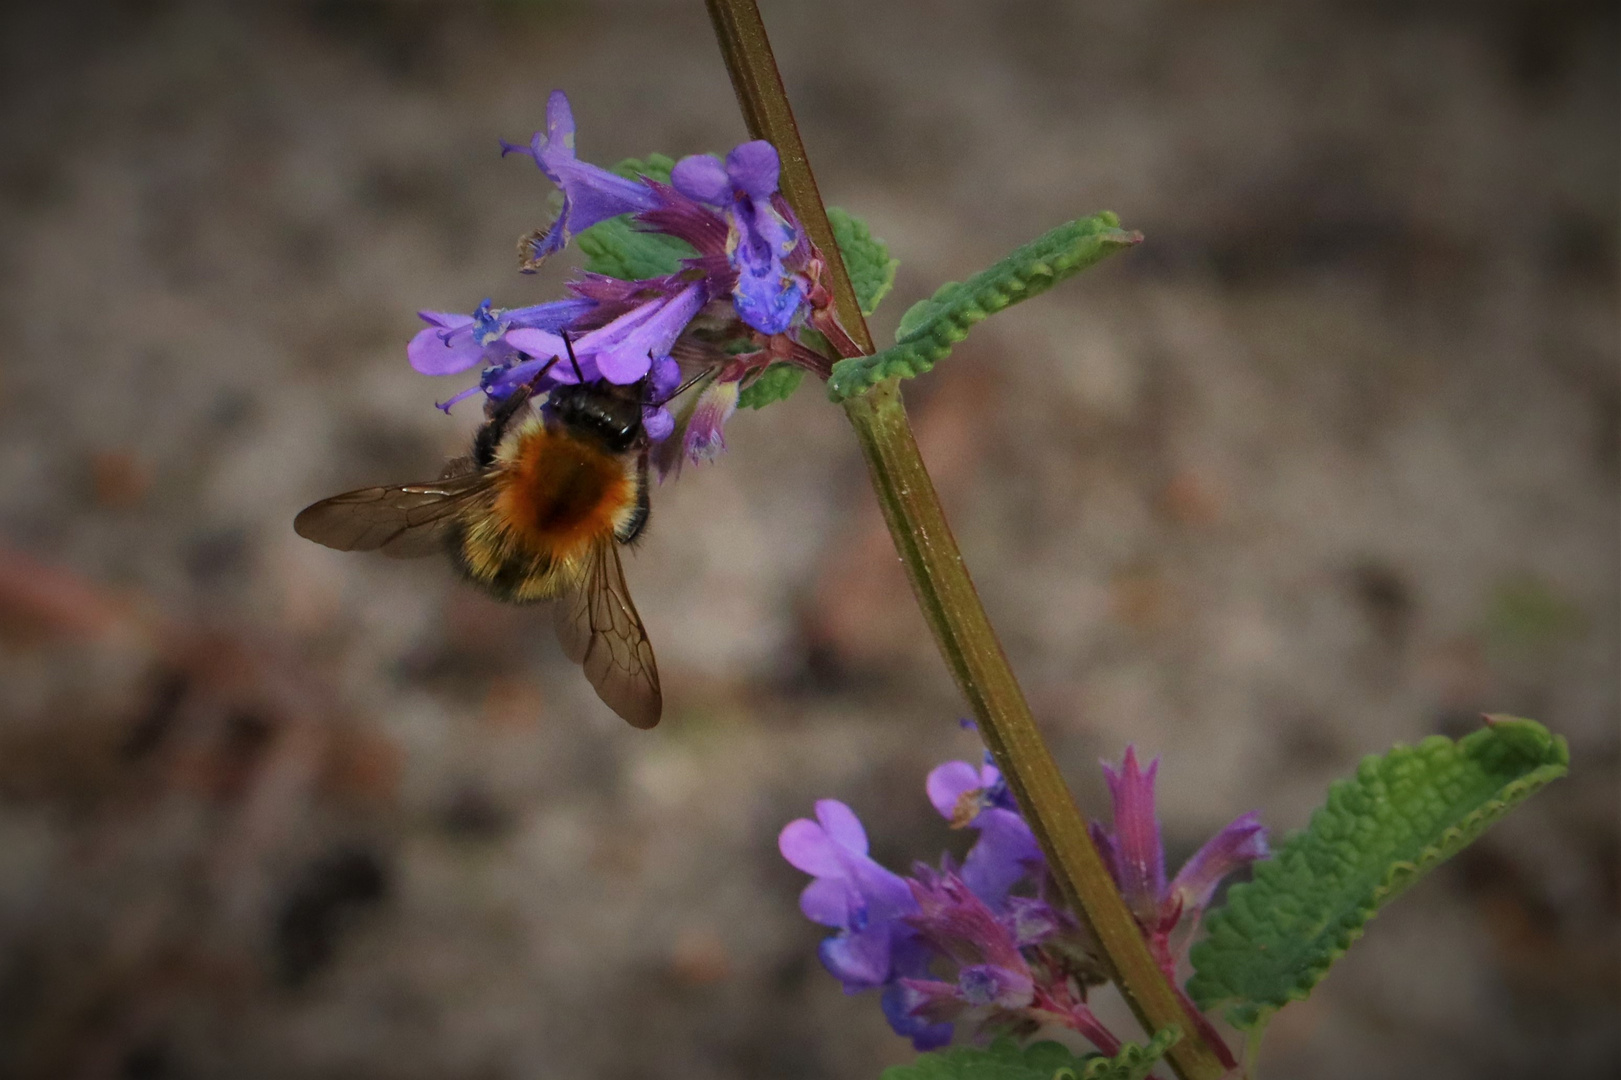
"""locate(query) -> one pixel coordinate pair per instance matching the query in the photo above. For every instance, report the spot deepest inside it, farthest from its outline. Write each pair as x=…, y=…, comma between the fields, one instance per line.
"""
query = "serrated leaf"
x=773, y=384
x=932, y=327
x=1402, y=813
x=618, y=249
x=1004, y=1059
x=866, y=259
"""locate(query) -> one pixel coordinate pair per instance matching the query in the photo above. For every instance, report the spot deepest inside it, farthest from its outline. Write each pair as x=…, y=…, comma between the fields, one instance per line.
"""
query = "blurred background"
x=1331, y=461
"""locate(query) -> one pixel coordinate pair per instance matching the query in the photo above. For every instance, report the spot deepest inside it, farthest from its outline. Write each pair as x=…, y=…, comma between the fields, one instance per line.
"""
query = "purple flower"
x=1135, y=857
x=623, y=351
x=762, y=238
x=453, y=342
x=867, y=904
x=705, y=439
x=1016, y=961
x=851, y=893
x=1006, y=851
x=590, y=193
x=991, y=974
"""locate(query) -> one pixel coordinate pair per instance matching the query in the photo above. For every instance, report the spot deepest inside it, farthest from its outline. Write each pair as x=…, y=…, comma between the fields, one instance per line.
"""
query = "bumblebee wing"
x=404, y=521
x=600, y=630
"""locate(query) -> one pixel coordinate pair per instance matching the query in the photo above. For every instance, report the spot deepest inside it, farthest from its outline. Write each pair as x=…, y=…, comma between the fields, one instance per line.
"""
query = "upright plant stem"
x=940, y=579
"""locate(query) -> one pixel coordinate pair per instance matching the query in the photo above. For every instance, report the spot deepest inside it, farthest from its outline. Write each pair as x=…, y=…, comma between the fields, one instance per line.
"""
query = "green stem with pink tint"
x=944, y=590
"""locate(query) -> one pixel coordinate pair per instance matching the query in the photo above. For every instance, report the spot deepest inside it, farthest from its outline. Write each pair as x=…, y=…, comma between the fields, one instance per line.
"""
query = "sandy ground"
x=1330, y=462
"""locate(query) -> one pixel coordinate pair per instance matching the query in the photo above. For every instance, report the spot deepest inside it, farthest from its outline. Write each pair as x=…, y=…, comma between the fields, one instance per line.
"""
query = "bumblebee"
x=537, y=510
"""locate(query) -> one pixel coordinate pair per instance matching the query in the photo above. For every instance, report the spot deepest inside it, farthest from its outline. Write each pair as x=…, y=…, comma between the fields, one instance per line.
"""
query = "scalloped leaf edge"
x=776, y=383
x=866, y=258
x=1233, y=928
x=931, y=328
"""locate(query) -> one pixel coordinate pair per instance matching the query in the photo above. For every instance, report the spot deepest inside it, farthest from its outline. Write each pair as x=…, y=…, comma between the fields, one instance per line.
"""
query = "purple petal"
x=555, y=315
x=664, y=378
x=899, y=1004
x=948, y=783
x=1005, y=854
x=1234, y=847
x=657, y=422
x=826, y=901
x=842, y=825
x=1136, y=834
x=590, y=194
x=753, y=166
x=541, y=344
x=437, y=351
x=806, y=846
x=560, y=121
x=624, y=349
x=766, y=296
x=859, y=960
x=702, y=177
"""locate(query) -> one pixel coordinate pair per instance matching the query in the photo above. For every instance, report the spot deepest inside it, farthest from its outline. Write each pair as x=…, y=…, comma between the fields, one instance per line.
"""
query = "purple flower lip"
x=851, y=893
x=769, y=294
x=977, y=798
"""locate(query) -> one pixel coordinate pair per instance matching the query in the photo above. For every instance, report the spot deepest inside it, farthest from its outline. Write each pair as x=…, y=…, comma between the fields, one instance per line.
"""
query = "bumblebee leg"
x=495, y=426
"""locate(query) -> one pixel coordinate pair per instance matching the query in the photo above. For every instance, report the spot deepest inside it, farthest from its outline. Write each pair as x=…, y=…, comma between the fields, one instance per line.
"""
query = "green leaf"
x=617, y=248
x=866, y=259
x=1004, y=1059
x=930, y=329
x=654, y=167
x=1403, y=813
x=773, y=384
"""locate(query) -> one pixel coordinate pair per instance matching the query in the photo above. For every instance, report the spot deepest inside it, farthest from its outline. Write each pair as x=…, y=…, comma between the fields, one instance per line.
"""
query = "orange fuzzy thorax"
x=560, y=494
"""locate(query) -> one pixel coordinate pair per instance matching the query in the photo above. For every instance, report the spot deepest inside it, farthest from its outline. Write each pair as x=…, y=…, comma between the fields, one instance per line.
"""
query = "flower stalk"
x=943, y=588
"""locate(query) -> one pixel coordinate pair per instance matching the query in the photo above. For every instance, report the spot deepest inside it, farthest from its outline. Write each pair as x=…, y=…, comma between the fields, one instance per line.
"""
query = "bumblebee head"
x=604, y=412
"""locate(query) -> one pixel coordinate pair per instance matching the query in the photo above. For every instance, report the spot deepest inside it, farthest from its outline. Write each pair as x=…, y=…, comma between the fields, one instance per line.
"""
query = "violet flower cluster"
x=990, y=941
x=740, y=303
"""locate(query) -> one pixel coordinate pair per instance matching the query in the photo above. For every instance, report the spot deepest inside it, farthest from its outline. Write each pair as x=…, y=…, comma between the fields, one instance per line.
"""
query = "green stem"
x=940, y=579
x=1251, y=1064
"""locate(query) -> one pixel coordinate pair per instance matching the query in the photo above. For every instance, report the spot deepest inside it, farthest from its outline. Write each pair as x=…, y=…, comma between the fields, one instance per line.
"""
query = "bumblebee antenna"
x=569, y=345
x=682, y=389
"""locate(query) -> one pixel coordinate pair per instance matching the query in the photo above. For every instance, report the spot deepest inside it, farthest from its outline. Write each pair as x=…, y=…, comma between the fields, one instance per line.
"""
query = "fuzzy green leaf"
x=773, y=384
x=617, y=248
x=866, y=259
x=654, y=167
x=1004, y=1059
x=1402, y=813
x=931, y=327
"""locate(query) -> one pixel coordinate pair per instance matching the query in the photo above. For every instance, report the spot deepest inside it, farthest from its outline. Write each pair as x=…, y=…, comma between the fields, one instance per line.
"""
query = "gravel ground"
x=1330, y=462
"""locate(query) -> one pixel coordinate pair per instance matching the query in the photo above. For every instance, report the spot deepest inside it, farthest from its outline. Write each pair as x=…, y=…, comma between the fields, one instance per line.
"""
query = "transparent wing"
x=600, y=630
x=404, y=521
